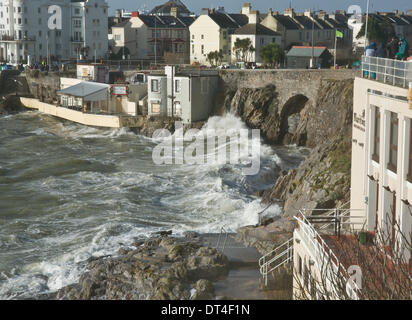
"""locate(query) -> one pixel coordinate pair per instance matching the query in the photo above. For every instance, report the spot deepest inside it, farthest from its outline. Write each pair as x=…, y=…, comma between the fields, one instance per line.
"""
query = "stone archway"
x=290, y=117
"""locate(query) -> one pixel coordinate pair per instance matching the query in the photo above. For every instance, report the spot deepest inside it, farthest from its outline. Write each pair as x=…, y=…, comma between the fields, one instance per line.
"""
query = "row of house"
x=25, y=33
x=178, y=34
x=170, y=32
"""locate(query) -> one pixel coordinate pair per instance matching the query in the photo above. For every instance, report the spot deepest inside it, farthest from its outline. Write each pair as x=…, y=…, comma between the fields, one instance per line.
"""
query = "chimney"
x=135, y=14
x=270, y=12
x=174, y=11
x=289, y=12
x=409, y=12
x=246, y=8
x=205, y=11
x=275, y=13
x=253, y=17
x=307, y=13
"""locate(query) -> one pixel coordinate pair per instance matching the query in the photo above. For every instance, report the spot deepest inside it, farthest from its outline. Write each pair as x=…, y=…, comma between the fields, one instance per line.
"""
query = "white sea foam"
x=125, y=196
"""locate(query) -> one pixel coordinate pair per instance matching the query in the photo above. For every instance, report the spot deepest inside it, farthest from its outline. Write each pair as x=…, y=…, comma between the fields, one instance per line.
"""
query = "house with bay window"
x=154, y=37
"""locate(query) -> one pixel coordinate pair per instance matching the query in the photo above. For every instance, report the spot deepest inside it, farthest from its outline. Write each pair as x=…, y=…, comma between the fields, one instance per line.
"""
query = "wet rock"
x=164, y=268
x=204, y=290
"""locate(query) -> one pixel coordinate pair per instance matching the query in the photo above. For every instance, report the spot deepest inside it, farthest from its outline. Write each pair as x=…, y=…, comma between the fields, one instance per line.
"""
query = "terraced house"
x=155, y=37
x=212, y=31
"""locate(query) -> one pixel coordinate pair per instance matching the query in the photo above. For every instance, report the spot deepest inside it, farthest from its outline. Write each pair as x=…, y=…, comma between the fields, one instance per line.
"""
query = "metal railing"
x=276, y=258
x=390, y=71
x=225, y=234
x=324, y=254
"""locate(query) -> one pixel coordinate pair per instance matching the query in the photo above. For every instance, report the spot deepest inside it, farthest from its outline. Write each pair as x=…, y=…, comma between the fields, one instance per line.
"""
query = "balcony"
x=389, y=71
x=15, y=38
x=76, y=39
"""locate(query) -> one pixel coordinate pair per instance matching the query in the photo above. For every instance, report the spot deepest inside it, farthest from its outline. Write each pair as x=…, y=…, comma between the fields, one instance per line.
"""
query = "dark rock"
x=204, y=290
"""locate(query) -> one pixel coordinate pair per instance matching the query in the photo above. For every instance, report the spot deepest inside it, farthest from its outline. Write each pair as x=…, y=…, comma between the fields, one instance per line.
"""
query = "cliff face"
x=324, y=125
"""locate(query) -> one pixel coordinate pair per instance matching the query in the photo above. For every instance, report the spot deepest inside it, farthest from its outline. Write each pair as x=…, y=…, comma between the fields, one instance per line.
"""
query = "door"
x=178, y=109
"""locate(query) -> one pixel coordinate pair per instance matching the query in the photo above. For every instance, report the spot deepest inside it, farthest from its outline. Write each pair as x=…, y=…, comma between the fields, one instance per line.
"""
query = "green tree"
x=272, y=54
x=377, y=32
x=215, y=57
x=243, y=49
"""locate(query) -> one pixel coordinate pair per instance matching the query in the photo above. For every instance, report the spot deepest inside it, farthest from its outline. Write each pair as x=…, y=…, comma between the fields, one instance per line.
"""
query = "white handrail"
x=322, y=250
x=265, y=265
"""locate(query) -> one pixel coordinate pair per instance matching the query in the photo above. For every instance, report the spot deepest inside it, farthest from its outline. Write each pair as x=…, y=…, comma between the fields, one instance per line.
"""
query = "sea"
x=69, y=193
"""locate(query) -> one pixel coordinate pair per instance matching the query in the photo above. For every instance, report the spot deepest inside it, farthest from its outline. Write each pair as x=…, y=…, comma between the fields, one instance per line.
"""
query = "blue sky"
x=263, y=5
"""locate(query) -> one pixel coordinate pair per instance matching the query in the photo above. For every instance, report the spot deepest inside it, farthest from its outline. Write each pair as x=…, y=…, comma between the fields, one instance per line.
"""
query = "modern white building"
x=186, y=95
x=381, y=182
x=25, y=32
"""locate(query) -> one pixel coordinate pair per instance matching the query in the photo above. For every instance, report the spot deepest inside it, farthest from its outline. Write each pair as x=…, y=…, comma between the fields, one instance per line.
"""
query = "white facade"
x=24, y=30
x=258, y=42
x=381, y=181
x=189, y=97
x=355, y=24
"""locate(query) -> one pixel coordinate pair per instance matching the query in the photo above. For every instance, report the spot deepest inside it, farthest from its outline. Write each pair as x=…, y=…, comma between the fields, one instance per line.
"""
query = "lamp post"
x=313, y=38
x=366, y=25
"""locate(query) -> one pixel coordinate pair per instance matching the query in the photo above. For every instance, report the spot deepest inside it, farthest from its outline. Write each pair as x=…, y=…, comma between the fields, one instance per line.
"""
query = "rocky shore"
x=161, y=268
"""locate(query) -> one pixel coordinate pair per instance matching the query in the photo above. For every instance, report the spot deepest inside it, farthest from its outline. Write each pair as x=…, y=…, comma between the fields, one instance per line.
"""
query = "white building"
x=259, y=36
x=212, y=31
x=382, y=136
x=186, y=95
x=25, y=33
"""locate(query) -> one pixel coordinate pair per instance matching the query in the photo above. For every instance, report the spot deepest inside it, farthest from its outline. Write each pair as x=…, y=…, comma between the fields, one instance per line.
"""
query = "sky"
x=234, y=6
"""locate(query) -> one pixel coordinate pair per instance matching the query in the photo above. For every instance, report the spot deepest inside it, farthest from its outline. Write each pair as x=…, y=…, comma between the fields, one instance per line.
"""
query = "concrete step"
x=238, y=254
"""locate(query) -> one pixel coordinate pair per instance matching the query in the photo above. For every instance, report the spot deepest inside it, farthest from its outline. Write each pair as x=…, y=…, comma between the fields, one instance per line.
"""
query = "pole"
x=155, y=45
x=334, y=59
x=366, y=25
x=313, y=45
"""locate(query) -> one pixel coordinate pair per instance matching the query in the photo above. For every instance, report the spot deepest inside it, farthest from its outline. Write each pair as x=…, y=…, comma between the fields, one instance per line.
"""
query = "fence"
x=390, y=71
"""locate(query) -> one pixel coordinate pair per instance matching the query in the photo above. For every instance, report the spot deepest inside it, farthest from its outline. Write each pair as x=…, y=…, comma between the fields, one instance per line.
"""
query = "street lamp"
x=313, y=37
x=366, y=25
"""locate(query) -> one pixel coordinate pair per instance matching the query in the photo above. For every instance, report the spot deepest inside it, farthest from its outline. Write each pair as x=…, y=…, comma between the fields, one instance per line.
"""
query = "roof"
x=165, y=8
x=256, y=29
x=305, y=51
x=153, y=21
x=229, y=20
x=83, y=89
x=287, y=22
x=121, y=24
x=306, y=22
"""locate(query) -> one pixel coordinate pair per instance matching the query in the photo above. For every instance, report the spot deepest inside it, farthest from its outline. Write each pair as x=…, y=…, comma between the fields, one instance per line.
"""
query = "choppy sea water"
x=70, y=192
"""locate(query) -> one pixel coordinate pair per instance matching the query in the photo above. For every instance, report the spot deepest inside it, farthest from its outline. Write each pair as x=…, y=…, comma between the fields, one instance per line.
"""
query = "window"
x=77, y=11
x=376, y=135
x=155, y=85
x=155, y=106
x=202, y=36
x=409, y=176
x=203, y=49
x=178, y=109
x=193, y=48
x=299, y=265
x=177, y=86
x=393, y=143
